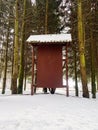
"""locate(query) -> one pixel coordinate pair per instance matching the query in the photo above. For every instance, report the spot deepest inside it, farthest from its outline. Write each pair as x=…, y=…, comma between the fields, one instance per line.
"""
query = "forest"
x=21, y=18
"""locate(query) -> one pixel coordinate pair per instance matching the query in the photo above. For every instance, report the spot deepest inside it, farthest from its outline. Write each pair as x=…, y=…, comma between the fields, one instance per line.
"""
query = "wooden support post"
x=67, y=86
x=32, y=85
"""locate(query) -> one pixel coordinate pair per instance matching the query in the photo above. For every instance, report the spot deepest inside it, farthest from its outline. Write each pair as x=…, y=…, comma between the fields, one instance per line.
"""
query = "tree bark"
x=21, y=67
x=12, y=63
x=93, y=84
x=75, y=67
x=93, y=55
x=15, y=65
x=5, y=63
x=46, y=29
x=82, y=50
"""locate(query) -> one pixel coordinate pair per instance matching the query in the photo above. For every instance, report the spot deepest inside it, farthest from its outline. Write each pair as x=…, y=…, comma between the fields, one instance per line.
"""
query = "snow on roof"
x=46, y=38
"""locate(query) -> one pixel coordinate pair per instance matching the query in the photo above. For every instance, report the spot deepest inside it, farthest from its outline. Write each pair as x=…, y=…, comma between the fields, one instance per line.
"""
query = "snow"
x=48, y=112
x=33, y=1
x=50, y=38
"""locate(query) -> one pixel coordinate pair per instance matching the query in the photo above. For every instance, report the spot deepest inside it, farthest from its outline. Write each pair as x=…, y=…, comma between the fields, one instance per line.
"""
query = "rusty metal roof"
x=49, y=38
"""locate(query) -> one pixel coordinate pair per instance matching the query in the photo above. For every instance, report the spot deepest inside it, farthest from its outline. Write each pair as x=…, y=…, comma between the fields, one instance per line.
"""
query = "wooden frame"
x=34, y=69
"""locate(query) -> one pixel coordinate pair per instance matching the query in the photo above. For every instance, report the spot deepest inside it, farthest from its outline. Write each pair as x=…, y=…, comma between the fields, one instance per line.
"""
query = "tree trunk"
x=12, y=66
x=96, y=40
x=25, y=79
x=5, y=63
x=46, y=29
x=15, y=65
x=75, y=67
x=93, y=55
x=93, y=84
x=97, y=78
x=82, y=50
x=25, y=68
x=21, y=67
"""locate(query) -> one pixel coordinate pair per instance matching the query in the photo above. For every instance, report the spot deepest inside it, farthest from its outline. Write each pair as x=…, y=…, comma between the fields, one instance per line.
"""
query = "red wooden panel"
x=49, y=66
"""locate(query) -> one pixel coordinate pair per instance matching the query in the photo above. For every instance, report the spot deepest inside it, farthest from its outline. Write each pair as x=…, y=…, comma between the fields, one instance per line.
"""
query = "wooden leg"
x=67, y=86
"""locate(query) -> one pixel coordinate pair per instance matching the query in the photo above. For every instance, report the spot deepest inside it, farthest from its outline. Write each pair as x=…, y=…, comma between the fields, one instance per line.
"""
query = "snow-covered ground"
x=48, y=112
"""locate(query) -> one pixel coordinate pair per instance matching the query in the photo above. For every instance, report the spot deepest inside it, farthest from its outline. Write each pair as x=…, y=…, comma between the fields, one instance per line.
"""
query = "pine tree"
x=21, y=67
x=53, y=23
x=6, y=60
x=93, y=51
x=82, y=50
x=16, y=48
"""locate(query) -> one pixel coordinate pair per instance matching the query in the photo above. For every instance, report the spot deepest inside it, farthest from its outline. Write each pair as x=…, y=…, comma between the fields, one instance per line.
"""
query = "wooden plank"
x=49, y=66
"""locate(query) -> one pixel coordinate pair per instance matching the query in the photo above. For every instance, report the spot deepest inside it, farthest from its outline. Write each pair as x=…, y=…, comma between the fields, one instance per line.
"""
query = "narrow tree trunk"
x=96, y=47
x=15, y=65
x=1, y=66
x=93, y=84
x=75, y=66
x=12, y=66
x=82, y=50
x=96, y=57
x=21, y=67
x=97, y=78
x=5, y=63
x=25, y=68
x=25, y=78
x=93, y=51
x=46, y=29
x=74, y=35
